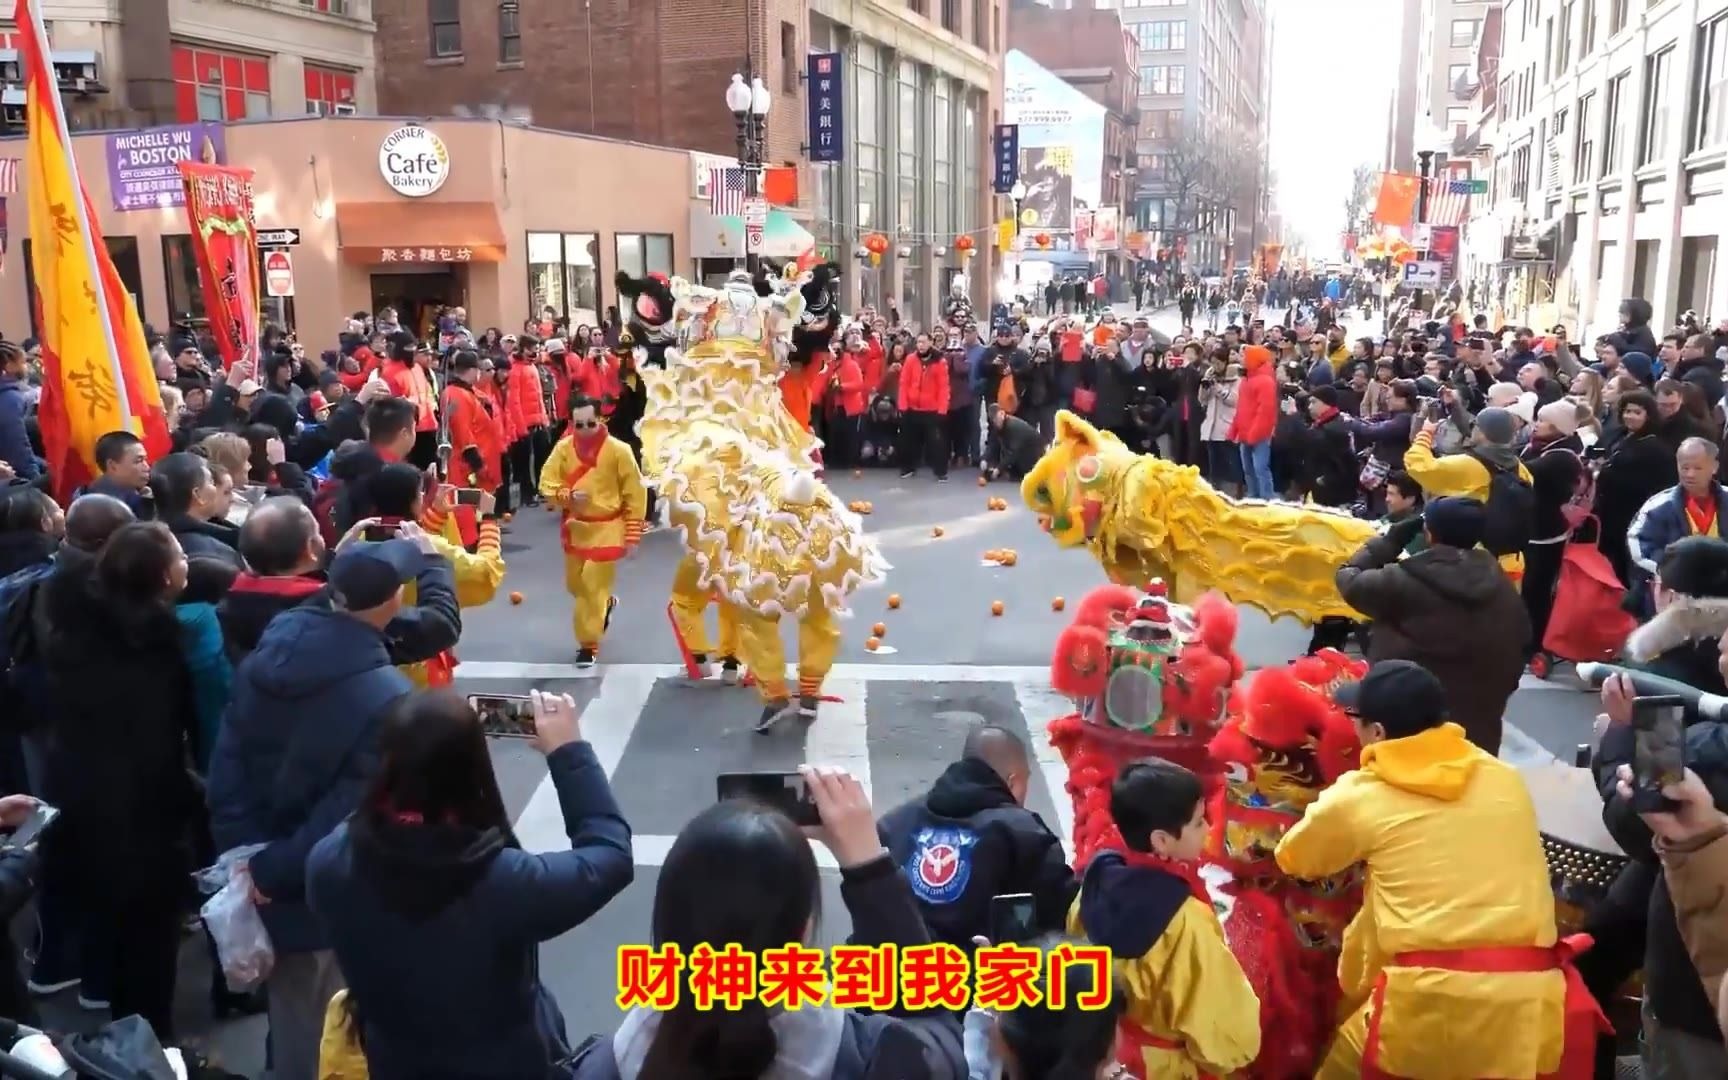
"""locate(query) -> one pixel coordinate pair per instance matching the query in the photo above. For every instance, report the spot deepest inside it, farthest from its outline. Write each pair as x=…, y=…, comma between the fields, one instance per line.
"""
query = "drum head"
x=1134, y=697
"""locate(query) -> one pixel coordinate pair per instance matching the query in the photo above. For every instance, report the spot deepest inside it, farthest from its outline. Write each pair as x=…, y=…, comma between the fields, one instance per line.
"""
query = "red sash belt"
x=1136, y=1040
x=1583, y=1017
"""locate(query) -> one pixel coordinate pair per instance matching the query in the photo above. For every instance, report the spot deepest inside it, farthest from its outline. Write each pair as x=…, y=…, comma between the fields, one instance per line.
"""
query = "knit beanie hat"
x=1496, y=425
x=1563, y=415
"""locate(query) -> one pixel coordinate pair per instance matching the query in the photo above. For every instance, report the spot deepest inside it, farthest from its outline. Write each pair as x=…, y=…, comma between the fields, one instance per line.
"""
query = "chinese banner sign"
x=225, y=240
x=96, y=371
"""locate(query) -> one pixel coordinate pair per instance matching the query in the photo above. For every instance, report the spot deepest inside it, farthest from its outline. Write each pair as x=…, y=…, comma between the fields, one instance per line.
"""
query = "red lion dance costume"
x=1157, y=679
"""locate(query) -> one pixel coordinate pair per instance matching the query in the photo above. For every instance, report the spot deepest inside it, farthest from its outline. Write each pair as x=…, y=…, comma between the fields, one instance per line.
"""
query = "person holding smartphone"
x=436, y=913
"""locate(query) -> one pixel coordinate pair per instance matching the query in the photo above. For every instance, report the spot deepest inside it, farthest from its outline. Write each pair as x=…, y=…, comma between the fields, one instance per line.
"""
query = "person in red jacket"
x=476, y=437
x=407, y=372
x=847, y=401
x=494, y=388
x=1256, y=418
x=924, y=410
x=532, y=444
x=597, y=375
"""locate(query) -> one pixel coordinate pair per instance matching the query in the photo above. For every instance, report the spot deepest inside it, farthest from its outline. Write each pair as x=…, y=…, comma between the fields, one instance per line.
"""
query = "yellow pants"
x=689, y=605
x=818, y=641
x=590, y=582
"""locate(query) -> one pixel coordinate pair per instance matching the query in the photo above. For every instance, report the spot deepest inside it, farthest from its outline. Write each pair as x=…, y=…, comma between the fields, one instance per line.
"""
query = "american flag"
x=726, y=192
x=8, y=176
x=1448, y=201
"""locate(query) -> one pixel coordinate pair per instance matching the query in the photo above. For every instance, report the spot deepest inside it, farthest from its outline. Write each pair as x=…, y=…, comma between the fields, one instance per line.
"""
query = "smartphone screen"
x=468, y=496
x=28, y=833
x=379, y=533
x=1658, y=750
x=784, y=791
x=1013, y=918
x=505, y=716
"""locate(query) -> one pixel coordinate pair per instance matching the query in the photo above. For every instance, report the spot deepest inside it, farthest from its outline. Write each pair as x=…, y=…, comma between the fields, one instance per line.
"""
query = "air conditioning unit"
x=346, y=108
x=78, y=71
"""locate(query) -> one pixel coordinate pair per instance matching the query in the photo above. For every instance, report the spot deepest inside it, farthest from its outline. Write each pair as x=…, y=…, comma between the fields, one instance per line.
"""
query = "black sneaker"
x=772, y=713
x=906, y=475
x=700, y=660
x=611, y=606
x=807, y=708
x=729, y=670
x=943, y=479
x=585, y=658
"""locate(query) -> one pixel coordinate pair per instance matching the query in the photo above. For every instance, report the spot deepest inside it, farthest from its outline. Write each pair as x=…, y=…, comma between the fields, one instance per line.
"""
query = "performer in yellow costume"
x=689, y=604
x=1145, y=518
x=738, y=476
x=593, y=479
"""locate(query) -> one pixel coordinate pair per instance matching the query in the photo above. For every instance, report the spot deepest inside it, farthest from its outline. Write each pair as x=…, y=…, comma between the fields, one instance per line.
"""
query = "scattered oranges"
x=509, y=517
x=996, y=607
x=936, y=530
x=872, y=644
x=1010, y=557
x=1002, y=556
x=982, y=480
x=880, y=629
x=996, y=504
x=1057, y=603
x=893, y=601
x=515, y=598
x=859, y=506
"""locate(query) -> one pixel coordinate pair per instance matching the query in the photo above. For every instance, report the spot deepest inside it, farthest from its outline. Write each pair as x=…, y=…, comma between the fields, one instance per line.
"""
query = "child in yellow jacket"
x=1191, y=1012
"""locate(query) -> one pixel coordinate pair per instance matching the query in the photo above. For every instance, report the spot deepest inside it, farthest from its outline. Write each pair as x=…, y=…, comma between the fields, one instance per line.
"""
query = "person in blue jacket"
x=14, y=407
x=437, y=914
x=295, y=754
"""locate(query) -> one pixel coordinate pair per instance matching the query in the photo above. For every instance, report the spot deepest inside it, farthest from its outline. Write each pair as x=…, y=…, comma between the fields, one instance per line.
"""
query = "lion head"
x=1069, y=488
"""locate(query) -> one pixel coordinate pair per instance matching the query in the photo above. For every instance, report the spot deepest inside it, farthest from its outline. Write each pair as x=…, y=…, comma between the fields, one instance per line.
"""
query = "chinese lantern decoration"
x=964, y=244
x=877, y=245
x=1042, y=240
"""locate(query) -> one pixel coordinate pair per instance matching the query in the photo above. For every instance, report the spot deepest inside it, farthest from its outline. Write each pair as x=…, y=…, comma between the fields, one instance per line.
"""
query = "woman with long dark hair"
x=435, y=912
x=741, y=873
x=117, y=766
x=1639, y=463
x=1038, y=1042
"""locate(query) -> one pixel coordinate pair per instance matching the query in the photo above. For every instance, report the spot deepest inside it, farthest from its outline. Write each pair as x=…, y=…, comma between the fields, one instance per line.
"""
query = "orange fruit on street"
x=936, y=531
x=982, y=481
x=869, y=508
x=880, y=629
x=515, y=598
x=856, y=473
x=509, y=517
x=893, y=600
x=996, y=607
x=872, y=644
x=1057, y=604
x=1009, y=558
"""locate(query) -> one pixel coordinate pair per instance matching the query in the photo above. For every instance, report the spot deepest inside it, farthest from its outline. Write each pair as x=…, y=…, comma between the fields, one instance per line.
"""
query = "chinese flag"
x=780, y=185
x=1396, y=204
x=96, y=373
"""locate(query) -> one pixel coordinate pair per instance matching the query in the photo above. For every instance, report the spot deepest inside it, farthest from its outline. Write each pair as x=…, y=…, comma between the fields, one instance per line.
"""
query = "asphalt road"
x=903, y=714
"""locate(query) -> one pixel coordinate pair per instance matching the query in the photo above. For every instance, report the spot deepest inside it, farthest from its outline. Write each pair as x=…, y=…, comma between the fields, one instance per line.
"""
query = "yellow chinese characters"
x=879, y=977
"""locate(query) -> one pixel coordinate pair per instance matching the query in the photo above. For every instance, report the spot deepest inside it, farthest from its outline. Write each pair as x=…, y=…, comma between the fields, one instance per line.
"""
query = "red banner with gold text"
x=225, y=242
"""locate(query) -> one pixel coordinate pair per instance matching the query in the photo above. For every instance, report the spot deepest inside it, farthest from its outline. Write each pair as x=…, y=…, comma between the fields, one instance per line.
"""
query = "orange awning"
x=413, y=231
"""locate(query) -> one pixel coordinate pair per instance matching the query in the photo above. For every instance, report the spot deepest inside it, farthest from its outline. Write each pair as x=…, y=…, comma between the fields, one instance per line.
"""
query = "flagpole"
x=80, y=204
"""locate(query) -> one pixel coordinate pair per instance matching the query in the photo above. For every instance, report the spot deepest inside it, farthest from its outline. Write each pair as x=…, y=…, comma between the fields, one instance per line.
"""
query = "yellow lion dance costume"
x=1144, y=518
x=763, y=535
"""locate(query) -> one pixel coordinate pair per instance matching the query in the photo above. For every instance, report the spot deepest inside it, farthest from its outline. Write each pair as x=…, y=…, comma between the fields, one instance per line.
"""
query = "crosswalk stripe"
x=607, y=722
x=1038, y=706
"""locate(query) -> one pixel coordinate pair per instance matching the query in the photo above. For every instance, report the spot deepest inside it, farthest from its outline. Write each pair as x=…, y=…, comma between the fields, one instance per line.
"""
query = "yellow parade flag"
x=96, y=373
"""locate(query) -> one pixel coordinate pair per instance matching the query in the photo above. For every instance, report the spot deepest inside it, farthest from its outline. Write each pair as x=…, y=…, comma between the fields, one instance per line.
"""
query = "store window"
x=212, y=85
x=180, y=272
x=564, y=275
x=123, y=250
x=329, y=92
x=641, y=254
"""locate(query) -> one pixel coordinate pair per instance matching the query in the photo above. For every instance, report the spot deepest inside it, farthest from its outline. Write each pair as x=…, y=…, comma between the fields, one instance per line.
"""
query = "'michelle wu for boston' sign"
x=413, y=161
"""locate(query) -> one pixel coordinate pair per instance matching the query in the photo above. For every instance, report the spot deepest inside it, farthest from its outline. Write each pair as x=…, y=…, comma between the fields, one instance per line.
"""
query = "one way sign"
x=278, y=237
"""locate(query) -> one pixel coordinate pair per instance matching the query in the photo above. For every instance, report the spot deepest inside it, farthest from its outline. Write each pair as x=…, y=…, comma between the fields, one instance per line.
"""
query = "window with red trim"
x=327, y=89
x=212, y=85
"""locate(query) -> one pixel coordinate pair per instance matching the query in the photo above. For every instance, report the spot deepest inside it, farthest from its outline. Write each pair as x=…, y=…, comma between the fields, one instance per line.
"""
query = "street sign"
x=1422, y=275
x=755, y=224
x=278, y=237
x=278, y=273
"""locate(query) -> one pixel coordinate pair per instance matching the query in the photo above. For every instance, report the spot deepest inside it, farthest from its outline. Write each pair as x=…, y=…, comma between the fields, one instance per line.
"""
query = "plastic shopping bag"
x=242, y=944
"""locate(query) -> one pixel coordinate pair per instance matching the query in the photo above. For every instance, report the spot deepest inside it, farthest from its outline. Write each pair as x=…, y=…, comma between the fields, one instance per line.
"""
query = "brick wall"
x=659, y=75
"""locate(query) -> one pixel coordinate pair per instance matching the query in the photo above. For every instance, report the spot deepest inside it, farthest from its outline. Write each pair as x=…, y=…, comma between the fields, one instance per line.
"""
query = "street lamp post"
x=749, y=102
x=1018, y=194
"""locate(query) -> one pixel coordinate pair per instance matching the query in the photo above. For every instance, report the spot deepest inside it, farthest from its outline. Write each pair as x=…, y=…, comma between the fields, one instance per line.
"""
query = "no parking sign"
x=278, y=273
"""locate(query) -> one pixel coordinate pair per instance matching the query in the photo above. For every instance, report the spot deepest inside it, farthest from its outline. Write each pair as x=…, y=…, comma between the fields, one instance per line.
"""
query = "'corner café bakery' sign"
x=413, y=161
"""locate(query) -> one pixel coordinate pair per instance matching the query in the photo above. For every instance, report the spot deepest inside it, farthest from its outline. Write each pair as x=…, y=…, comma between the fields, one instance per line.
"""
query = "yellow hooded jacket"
x=1454, y=861
x=1459, y=475
x=1185, y=989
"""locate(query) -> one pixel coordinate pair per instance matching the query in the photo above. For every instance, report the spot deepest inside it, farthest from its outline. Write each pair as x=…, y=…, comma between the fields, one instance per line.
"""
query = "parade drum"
x=1583, y=859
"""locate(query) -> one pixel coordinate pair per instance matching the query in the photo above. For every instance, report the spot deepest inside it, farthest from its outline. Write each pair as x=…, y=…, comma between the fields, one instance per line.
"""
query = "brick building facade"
x=921, y=79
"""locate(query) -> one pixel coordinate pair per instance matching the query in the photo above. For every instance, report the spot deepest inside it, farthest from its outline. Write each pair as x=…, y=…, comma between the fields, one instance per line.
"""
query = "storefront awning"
x=713, y=236
x=419, y=231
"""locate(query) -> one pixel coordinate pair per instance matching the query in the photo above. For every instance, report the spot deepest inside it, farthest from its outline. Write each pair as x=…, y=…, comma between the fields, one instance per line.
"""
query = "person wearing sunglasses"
x=594, y=481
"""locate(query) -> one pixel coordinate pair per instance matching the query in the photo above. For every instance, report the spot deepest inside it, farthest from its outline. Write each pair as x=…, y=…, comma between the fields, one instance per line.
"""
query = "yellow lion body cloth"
x=1145, y=518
